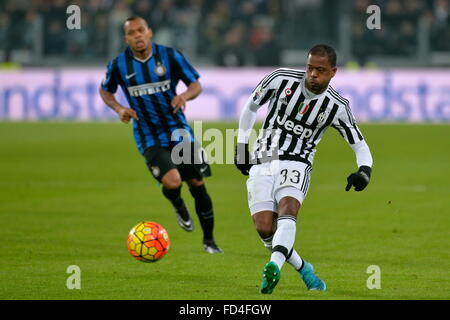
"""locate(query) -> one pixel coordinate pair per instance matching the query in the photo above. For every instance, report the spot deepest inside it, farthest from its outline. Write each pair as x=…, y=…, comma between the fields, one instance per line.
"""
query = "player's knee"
x=288, y=206
x=172, y=184
x=195, y=183
x=172, y=179
x=264, y=232
x=264, y=229
x=264, y=223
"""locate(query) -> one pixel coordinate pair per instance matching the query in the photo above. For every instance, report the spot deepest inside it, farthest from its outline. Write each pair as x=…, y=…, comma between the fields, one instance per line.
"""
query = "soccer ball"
x=148, y=241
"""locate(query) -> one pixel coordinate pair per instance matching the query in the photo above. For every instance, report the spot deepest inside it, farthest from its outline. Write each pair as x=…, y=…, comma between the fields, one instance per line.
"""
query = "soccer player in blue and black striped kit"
x=148, y=74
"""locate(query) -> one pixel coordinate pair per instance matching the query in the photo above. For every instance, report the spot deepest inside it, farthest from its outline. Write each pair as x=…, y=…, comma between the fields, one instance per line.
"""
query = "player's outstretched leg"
x=312, y=281
x=271, y=276
x=204, y=209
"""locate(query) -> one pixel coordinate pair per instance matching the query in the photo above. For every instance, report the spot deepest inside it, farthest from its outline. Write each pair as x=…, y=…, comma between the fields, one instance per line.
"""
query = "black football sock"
x=204, y=209
x=174, y=196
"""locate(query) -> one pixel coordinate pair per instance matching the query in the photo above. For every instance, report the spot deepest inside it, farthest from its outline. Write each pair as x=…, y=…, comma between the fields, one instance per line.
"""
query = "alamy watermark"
x=374, y=280
x=73, y=21
x=74, y=280
x=374, y=20
x=215, y=146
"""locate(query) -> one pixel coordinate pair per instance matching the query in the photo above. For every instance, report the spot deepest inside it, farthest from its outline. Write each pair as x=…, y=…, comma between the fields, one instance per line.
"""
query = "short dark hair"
x=323, y=50
x=132, y=18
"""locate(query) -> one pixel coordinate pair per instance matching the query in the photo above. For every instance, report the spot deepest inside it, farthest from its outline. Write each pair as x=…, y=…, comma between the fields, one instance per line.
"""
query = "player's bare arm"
x=193, y=91
x=125, y=114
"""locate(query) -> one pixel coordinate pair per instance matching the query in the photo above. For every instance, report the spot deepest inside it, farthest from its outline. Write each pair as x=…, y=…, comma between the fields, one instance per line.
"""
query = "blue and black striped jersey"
x=149, y=87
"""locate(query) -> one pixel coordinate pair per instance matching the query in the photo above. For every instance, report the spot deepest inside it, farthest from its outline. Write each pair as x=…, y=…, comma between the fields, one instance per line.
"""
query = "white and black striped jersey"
x=297, y=119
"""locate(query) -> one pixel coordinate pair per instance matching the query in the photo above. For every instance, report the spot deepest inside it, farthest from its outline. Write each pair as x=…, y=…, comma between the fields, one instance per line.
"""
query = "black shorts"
x=159, y=162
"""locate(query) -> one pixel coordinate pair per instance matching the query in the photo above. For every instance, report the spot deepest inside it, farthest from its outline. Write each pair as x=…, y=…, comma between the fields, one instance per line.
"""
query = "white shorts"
x=271, y=181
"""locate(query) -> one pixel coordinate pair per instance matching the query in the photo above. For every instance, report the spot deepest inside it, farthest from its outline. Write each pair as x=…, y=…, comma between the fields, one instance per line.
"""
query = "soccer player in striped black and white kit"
x=302, y=105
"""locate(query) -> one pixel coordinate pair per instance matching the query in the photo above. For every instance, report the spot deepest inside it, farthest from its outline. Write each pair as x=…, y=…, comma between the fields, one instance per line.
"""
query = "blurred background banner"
x=398, y=95
x=399, y=72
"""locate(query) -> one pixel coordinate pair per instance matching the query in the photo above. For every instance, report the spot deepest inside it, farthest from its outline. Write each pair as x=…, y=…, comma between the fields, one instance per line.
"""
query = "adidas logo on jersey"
x=297, y=129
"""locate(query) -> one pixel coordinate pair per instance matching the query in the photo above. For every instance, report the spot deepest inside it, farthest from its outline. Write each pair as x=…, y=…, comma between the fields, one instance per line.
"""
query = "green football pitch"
x=70, y=193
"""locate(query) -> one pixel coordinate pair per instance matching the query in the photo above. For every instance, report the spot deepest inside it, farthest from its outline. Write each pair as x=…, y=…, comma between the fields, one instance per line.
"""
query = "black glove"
x=242, y=158
x=359, y=179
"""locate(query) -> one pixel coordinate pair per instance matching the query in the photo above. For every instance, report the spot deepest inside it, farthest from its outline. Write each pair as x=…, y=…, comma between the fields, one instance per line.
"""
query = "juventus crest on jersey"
x=297, y=119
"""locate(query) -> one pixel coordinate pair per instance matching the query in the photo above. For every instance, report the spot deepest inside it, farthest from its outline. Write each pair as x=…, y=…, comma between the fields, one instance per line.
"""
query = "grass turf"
x=70, y=192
